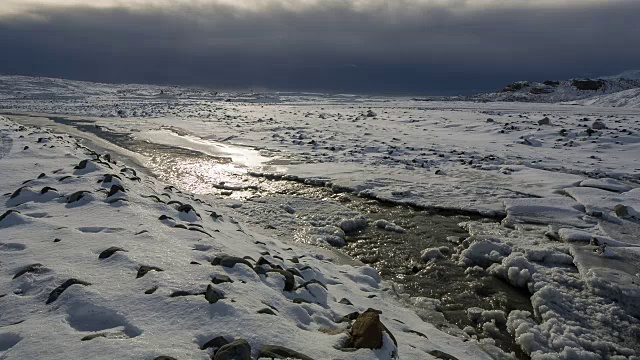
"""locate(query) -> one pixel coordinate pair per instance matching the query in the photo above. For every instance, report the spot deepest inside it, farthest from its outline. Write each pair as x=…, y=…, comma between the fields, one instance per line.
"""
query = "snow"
x=388, y=226
x=574, y=313
x=622, y=90
x=484, y=252
x=549, y=210
x=607, y=184
x=628, y=74
x=566, y=91
x=566, y=192
x=613, y=273
x=626, y=99
x=430, y=254
x=117, y=310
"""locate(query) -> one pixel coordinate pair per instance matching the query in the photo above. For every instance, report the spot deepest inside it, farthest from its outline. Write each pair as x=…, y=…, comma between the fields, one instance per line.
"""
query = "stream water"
x=395, y=254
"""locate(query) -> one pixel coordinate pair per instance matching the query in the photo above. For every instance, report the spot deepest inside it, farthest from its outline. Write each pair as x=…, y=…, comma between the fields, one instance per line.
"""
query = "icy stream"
x=396, y=254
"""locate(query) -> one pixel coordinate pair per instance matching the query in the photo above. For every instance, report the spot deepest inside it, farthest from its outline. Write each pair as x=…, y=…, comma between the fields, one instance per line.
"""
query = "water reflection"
x=206, y=167
x=242, y=156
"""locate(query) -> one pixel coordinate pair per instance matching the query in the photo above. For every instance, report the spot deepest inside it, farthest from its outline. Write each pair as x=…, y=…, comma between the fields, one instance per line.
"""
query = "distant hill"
x=627, y=98
x=629, y=74
x=550, y=91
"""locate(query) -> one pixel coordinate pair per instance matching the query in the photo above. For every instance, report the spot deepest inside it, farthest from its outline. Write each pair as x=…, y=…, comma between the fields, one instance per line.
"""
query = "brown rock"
x=236, y=350
x=366, y=332
x=621, y=211
x=144, y=269
x=213, y=295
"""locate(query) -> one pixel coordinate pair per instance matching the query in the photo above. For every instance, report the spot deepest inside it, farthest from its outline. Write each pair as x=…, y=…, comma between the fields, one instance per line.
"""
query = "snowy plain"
x=562, y=178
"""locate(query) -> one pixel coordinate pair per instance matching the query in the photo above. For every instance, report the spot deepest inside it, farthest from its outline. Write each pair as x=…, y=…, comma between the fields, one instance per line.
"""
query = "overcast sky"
x=366, y=46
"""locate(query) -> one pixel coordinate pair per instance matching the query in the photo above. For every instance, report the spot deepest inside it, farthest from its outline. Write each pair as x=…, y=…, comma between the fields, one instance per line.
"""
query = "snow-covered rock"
x=484, y=252
x=431, y=254
x=388, y=226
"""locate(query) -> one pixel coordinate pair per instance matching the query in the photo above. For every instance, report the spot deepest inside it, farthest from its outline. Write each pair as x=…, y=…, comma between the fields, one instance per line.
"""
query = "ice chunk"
x=484, y=253
x=354, y=224
x=388, y=226
x=606, y=184
x=431, y=254
x=552, y=210
x=516, y=269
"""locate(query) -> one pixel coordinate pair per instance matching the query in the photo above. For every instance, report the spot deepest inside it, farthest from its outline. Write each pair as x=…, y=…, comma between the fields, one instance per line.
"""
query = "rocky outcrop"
x=518, y=85
x=587, y=84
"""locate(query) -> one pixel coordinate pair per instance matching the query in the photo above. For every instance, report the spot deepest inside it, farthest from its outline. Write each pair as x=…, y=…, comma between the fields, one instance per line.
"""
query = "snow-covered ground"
x=628, y=99
x=102, y=262
x=564, y=178
x=628, y=74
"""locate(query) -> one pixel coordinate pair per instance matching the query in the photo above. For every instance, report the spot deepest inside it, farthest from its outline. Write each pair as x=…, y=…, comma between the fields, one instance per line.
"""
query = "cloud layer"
x=404, y=46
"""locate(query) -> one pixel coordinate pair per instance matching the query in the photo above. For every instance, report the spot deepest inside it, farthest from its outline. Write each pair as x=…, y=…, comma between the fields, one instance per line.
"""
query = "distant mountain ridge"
x=563, y=90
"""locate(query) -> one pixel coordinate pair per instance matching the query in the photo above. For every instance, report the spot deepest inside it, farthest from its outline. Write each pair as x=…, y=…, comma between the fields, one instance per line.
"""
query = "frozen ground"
x=102, y=262
x=564, y=178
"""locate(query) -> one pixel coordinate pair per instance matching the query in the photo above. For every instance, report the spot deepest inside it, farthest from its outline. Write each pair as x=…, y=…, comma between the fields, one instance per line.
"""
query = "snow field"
x=101, y=261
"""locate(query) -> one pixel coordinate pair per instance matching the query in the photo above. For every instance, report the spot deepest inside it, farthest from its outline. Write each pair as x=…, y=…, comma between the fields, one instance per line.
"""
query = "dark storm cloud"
x=409, y=47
